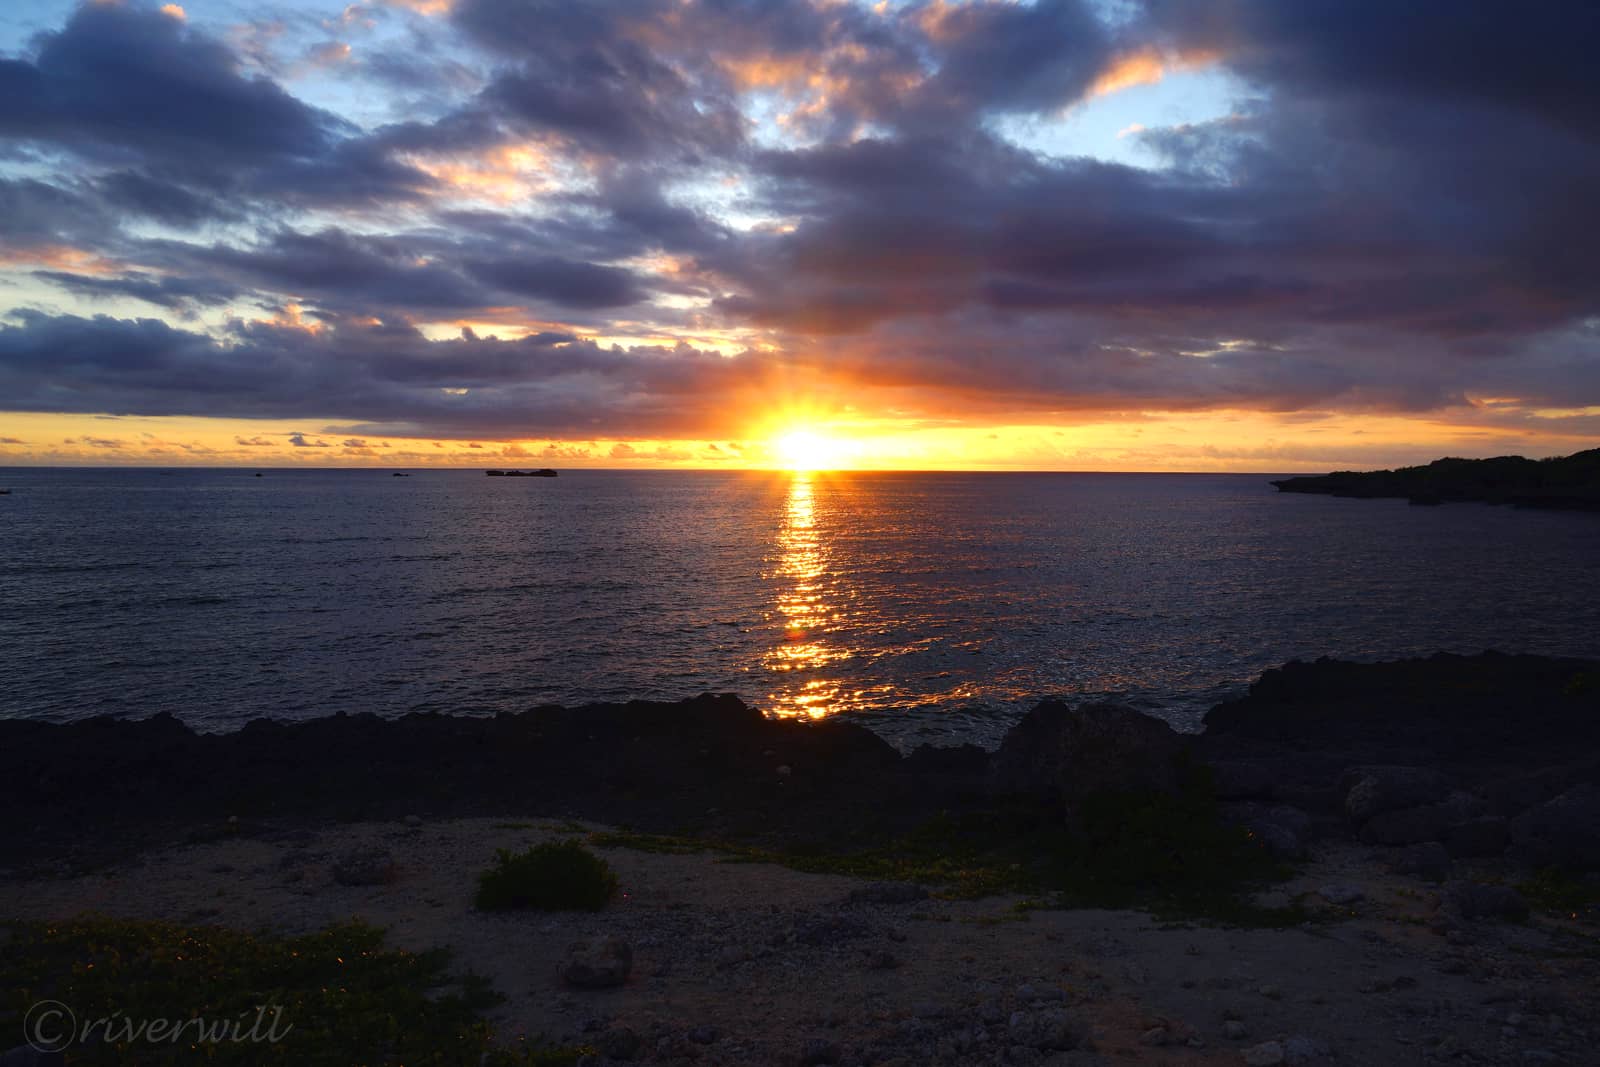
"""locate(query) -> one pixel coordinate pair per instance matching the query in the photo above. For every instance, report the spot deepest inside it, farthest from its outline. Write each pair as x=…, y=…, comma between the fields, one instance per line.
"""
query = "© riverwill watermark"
x=51, y=1026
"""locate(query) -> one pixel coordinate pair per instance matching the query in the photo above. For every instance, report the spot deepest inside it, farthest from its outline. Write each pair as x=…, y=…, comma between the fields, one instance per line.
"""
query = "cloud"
x=818, y=199
x=300, y=440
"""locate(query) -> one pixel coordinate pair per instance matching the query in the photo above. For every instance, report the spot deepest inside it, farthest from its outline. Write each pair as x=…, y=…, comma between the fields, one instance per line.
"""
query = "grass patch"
x=332, y=998
x=1557, y=892
x=1170, y=855
x=554, y=876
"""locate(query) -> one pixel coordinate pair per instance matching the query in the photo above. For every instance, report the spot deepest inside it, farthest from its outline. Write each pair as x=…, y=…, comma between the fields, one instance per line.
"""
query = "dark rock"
x=1299, y=1050
x=1474, y=900
x=1066, y=753
x=1341, y=893
x=1564, y=831
x=1280, y=828
x=704, y=1035
x=28, y=1056
x=365, y=866
x=1429, y=861
x=966, y=760
x=1243, y=779
x=1407, y=826
x=1485, y=836
x=1374, y=791
x=621, y=1043
x=601, y=964
x=1506, y=715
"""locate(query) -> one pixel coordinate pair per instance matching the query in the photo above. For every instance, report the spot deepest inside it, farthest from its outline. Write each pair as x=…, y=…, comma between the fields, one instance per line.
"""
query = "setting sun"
x=807, y=450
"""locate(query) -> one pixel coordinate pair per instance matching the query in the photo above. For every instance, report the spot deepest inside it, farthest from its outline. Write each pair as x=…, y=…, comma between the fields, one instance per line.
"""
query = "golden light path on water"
x=802, y=568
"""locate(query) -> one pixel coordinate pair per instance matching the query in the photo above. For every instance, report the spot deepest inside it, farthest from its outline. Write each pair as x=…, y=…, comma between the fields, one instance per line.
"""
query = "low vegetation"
x=554, y=876
x=1167, y=854
x=337, y=997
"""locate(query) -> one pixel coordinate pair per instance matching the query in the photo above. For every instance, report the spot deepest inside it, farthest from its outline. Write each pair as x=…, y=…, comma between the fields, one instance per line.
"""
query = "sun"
x=807, y=450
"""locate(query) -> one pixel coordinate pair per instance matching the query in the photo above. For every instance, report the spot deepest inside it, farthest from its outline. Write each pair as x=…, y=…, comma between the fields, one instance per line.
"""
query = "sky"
x=1252, y=235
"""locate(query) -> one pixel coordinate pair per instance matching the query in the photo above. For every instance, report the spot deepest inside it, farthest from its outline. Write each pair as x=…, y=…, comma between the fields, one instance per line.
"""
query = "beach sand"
x=749, y=963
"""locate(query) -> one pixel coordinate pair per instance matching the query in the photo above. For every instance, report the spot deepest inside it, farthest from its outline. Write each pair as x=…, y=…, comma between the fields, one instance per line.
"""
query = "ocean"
x=931, y=607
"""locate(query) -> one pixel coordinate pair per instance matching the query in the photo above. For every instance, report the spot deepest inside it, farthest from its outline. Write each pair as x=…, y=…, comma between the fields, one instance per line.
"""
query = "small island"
x=543, y=472
x=1561, y=482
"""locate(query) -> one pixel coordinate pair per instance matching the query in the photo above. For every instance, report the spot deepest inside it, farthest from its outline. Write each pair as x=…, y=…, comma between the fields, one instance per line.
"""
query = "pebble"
x=1234, y=1030
x=602, y=964
x=413, y=821
x=1301, y=1049
x=1341, y=893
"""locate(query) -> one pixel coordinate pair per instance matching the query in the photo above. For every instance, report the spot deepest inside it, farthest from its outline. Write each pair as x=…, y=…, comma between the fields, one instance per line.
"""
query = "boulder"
x=1563, y=832
x=600, y=964
x=1475, y=900
x=1067, y=753
x=1485, y=836
x=1281, y=829
x=1372, y=791
x=621, y=1043
x=1408, y=826
x=1429, y=861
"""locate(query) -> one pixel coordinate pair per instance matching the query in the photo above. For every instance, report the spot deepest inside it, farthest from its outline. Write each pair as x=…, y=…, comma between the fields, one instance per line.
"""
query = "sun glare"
x=807, y=450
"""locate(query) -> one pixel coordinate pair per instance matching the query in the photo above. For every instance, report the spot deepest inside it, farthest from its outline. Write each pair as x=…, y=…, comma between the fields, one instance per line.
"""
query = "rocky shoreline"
x=1492, y=748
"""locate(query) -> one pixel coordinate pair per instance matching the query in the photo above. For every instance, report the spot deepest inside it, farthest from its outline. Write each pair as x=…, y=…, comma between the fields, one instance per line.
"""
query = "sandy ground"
x=740, y=963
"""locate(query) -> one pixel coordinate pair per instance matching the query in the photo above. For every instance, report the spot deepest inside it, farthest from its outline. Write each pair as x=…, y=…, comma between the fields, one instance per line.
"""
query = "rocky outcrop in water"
x=1562, y=482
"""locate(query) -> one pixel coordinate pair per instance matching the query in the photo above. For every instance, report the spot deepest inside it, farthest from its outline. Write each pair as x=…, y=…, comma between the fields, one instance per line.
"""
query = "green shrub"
x=554, y=876
x=327, y=999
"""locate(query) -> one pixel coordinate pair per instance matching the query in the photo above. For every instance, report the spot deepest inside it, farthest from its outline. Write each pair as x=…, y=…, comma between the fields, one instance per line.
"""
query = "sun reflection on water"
x=803, y=610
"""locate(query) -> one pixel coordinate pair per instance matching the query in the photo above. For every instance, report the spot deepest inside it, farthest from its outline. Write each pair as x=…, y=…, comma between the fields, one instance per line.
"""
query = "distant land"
x=1564, y=482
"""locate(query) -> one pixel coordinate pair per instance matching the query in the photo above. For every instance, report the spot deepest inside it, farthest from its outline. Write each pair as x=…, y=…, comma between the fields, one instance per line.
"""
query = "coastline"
x=1403, y=801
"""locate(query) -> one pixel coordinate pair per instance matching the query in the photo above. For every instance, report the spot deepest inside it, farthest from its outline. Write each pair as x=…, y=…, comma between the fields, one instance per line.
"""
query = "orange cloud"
x=431, y=8
x=1146, y=66
x=59, y=257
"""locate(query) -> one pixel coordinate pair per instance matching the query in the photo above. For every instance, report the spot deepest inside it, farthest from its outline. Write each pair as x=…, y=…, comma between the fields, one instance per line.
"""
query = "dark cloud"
x=117, y=78
x=168, y=292
x=1393, y=217
x=170, y=202
x=570, y=284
